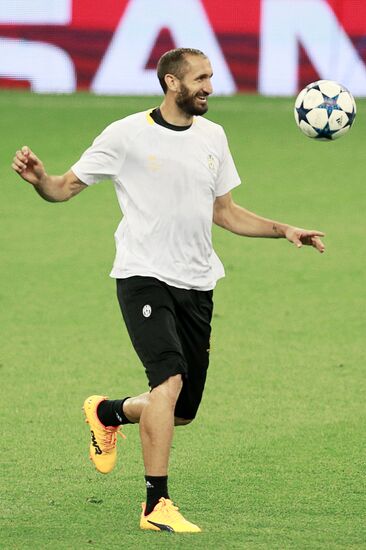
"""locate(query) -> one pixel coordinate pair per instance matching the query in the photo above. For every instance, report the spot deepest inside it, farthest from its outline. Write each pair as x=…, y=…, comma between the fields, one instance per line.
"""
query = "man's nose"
x=208, y=87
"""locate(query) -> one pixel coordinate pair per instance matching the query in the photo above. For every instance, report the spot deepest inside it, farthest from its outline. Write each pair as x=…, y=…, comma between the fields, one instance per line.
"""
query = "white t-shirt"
x=166, y=183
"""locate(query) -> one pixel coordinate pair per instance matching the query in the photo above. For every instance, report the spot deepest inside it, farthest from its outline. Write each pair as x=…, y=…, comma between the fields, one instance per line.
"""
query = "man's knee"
x=169, y=389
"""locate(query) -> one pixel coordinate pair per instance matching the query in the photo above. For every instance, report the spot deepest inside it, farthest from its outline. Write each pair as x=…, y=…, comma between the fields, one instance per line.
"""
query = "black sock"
x=110, y=412
x=156, y=487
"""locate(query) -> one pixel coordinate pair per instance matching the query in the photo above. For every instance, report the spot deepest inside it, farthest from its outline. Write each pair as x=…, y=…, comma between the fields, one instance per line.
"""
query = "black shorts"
x=170, y=330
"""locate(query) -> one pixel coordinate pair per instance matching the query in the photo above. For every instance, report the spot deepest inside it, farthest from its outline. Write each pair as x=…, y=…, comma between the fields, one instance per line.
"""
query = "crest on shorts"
x=146, y=310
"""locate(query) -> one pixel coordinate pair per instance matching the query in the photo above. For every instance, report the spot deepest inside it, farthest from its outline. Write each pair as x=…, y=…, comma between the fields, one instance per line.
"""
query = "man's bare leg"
x=157, y=425
x=133, y=407
x=156, y=431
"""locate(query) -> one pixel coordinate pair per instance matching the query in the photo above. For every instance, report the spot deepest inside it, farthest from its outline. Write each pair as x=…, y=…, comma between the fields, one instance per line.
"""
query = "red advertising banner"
x=274, y=47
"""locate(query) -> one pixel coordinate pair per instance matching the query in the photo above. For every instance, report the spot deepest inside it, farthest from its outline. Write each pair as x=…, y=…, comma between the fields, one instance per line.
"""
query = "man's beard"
x=186, y=102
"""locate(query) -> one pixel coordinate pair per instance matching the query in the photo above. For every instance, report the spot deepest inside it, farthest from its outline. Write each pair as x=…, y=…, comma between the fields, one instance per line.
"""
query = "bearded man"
x=173, y=175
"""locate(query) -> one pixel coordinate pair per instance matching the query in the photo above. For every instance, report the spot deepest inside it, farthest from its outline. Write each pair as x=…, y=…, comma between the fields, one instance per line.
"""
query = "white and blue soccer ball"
x=325, y=110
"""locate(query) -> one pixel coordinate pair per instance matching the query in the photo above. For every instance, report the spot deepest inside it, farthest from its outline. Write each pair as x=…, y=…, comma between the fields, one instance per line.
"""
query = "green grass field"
x=276, y=457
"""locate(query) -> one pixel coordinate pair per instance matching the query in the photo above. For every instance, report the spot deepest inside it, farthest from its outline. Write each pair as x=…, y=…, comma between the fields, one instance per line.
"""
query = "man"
x=173, y=173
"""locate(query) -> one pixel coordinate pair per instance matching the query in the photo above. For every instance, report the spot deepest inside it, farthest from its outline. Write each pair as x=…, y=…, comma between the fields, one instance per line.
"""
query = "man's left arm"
x=234, y=218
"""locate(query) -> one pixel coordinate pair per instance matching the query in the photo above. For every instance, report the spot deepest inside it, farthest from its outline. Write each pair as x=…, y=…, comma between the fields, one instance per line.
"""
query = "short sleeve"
x=104, y=158
x=228, y=176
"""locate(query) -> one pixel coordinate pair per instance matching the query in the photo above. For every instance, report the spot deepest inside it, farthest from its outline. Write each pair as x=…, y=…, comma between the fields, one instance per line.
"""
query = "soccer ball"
x=325, y=110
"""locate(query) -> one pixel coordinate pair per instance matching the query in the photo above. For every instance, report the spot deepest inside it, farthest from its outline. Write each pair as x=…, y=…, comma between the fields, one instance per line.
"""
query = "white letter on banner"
x=36, y=12
x=284, y=23
x=122, y=70
x=48, y=68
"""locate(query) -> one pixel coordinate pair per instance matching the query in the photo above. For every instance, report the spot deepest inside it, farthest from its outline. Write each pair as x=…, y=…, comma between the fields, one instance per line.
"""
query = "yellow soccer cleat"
x=165, y=517
x=103, y=445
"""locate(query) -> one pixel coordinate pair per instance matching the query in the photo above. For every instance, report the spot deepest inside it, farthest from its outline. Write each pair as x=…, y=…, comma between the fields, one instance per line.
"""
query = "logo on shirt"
x=211, y=162
x=146, y=310
x=153, y=163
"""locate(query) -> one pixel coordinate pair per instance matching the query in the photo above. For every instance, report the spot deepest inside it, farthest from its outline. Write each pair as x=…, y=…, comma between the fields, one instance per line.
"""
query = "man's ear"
x=172, y=82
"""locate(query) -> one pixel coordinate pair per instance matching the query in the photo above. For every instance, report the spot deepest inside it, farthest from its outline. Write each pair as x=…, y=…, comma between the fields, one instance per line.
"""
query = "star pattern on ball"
x=325, y=133
x=330, y=104
x=351, y=117
x=302, y=112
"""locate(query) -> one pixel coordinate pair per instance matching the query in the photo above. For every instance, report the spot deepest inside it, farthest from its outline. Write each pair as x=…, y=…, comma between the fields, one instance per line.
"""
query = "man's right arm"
x=50, y=188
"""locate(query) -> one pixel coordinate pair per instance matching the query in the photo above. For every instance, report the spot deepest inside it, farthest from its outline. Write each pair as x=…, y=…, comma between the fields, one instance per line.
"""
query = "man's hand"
x=50, y=188
x=28, y=166
x=302, y=237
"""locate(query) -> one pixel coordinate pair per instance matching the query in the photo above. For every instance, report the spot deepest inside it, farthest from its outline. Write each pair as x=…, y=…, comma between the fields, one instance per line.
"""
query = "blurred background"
x=273, y=47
